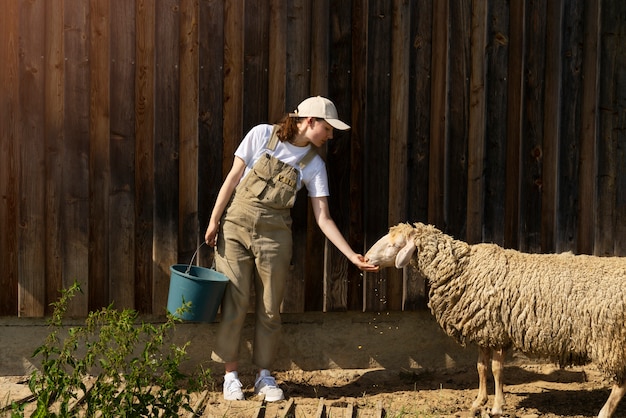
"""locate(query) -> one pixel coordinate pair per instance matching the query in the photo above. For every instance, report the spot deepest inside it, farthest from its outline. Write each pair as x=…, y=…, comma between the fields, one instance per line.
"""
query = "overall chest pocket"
x=273, y=182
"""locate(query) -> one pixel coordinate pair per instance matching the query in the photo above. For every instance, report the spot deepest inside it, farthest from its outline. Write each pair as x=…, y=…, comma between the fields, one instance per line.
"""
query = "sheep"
x=564, y=307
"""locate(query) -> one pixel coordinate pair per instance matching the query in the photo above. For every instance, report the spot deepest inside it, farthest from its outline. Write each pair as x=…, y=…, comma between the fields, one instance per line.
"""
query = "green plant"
x=112, y=366
x=16, y=408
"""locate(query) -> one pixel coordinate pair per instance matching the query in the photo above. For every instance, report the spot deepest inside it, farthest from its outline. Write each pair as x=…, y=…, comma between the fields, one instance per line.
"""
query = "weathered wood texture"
x=498, y=121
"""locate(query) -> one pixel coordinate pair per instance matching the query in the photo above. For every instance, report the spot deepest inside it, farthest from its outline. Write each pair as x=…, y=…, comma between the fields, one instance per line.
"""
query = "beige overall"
x=255, y=246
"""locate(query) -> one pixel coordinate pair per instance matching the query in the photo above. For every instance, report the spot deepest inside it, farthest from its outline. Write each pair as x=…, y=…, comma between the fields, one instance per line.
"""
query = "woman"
x=254, y=244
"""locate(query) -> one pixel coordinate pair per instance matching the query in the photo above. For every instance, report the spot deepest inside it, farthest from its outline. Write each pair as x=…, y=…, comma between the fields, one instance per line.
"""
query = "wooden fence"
x=495, y=120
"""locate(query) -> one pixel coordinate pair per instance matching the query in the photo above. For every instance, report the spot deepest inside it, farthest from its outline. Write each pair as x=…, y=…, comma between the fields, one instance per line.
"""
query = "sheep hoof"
x=496, y=412
x=477, y=406
x=476, y=411
x=484, y=412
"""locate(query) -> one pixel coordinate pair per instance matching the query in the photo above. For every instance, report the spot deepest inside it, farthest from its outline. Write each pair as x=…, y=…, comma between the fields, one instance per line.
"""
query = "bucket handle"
x=194, y=256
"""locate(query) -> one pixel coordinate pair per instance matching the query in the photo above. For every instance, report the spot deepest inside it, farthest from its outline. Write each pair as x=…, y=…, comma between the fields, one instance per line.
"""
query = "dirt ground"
x=533, y=389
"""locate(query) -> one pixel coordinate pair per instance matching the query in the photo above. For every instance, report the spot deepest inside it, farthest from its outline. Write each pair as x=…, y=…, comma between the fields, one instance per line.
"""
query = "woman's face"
x=318, y=131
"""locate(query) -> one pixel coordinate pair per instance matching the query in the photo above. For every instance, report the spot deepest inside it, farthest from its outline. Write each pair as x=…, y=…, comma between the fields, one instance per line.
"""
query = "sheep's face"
x=393, y=249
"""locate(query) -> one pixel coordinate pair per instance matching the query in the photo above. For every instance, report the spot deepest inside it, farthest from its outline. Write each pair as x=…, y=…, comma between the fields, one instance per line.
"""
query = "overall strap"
x=271, y=145
x=307, y=157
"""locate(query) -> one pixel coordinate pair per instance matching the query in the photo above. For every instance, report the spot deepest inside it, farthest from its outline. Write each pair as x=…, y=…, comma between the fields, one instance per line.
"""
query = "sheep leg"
x=497, y=368
x=616, y=395
x=484, y=357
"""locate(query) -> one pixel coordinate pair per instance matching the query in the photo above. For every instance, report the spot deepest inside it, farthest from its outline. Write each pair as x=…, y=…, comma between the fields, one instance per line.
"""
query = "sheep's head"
x=393, y=249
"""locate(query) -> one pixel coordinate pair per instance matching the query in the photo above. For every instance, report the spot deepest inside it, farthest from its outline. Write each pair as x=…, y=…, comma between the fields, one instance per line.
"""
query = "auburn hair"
x=288, y=128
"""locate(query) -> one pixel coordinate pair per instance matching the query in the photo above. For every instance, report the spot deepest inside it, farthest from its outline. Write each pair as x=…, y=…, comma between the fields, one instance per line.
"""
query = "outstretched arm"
x=226, y=191
x=329, y=228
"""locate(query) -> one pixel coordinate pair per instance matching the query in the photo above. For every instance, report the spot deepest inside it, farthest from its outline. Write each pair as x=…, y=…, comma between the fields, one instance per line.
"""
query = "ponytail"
x=288, y=128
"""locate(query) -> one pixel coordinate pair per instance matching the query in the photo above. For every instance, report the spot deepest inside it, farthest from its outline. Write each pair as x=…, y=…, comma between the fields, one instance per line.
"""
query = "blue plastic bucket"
x=201, y=286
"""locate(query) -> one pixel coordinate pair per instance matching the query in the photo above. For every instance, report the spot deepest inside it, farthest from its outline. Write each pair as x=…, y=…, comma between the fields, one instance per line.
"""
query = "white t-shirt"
x=254, y=145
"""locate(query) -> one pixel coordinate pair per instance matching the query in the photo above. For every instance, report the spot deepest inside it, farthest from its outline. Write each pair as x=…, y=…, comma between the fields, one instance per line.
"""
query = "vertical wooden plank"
x=233, y=80
x=515, y=76
x=188, y=226
x=551, y=124
x=477, y=116
x=319, y=48
x=607, y=162
x=376, y=147
x=234, y=23
x=496, y=121
x=122, y=223
x=531, y=142
x=619, y=84
x=359, y=130
x=75, y=190
x=277, y=58
x=439, y=120
x=589, y=128
x=341, y=280
x=415, y=286
x=620, y=205
x=276, y=90
x=255, y=56
x=459, y=67
x=55, y=152
x=9, y=158
x=620, y=123
x=298, y=88
x=99, y=153
x=31, y=255
x=166, y=149
x=420, y=108
x=608, y=107
x=606, y=145
x=144, y=153
x=398, y=133
x=255, y=63
x=298, y=52
x=569, y=145
x=210, y=90
x=314, y=261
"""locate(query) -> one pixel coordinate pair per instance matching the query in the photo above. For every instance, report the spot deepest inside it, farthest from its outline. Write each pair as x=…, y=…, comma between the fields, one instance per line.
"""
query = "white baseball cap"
x=320, y=107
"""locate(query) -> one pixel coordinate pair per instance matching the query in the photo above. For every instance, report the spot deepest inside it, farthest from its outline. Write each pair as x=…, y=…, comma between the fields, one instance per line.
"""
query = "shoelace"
x=266, y=381
x=233, y=385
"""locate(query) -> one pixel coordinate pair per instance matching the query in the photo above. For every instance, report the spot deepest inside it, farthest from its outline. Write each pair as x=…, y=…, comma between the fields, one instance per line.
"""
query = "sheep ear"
x=404, y=255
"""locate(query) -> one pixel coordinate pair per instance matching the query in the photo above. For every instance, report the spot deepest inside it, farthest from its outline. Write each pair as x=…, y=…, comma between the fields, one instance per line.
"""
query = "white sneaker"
x=232, y=387
x=266, y=385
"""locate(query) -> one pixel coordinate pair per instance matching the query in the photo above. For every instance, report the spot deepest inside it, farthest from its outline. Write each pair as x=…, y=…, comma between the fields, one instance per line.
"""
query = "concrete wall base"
x=311, y=341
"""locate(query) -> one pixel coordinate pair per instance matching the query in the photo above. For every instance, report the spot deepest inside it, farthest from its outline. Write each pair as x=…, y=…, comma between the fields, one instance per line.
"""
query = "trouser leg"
x=272, y=268
x=234, y=260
